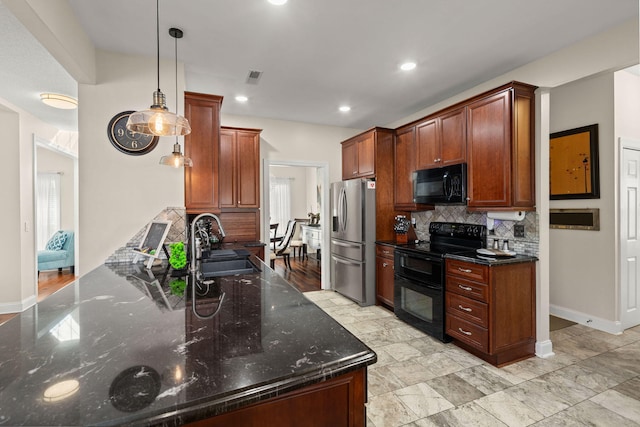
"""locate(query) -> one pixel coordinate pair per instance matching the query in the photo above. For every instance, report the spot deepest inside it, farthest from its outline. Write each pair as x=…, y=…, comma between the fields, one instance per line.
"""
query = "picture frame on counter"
x=575, y=219
x=574, y=164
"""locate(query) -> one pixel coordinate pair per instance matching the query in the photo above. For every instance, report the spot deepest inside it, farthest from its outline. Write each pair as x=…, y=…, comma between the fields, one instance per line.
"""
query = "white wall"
x=17, y=129
x=627, y=104
x=50, y=161
x=582, y=263
x=119, y=193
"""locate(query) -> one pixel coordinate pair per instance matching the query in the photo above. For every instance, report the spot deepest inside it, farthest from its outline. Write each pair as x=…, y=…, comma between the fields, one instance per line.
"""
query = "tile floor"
x=593, y=379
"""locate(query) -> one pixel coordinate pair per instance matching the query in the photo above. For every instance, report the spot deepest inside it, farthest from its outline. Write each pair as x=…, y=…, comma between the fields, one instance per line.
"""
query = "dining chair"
x=296, y=243
x=282, y=247
x=273, y=234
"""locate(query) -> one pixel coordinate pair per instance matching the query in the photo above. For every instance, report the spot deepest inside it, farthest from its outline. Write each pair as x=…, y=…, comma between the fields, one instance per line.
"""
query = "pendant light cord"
x=158, y=41
x=176, y=56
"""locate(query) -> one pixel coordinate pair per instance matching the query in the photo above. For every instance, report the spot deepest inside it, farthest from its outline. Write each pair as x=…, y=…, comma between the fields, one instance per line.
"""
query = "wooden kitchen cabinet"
x=441, y=140
x=360, y=153
x=405, y=165
x=500, y=149
x=371, y=155
x=239, y=167
x=202, y=146
x=491, y=310
x=384, y=275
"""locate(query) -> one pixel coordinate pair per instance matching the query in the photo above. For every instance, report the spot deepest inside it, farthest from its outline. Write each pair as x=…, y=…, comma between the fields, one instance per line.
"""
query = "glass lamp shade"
x=176, y=159
x=158, y=120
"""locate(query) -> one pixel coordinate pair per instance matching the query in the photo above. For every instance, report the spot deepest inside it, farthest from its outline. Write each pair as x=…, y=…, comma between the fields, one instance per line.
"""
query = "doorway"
x=318, y=192
x=629, y=209
x=50, y=161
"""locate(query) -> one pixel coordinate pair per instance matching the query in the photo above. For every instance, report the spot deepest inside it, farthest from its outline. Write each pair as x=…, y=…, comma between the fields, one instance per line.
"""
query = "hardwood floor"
x=305, y=274
x=48, y=283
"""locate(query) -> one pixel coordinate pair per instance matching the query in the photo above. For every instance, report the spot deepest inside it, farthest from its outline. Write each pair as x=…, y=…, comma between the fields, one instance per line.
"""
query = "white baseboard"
x=544, y=349
x=18, y=307
x=610, y=326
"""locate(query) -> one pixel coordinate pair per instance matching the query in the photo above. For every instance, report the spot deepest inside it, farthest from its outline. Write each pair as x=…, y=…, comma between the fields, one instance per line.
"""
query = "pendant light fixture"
x=158, y=120
x=176, y=159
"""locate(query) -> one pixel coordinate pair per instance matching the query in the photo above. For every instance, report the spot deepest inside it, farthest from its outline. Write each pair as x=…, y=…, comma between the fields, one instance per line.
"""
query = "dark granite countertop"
x=116, y=347
x=473, y=257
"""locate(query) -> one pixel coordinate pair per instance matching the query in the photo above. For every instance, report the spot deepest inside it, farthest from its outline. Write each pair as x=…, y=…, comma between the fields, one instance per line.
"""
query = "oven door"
x=421, y=306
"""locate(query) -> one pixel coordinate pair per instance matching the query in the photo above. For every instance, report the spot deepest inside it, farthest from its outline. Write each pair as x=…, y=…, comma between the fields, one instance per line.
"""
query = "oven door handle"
x=404, y=255
x=400, y=278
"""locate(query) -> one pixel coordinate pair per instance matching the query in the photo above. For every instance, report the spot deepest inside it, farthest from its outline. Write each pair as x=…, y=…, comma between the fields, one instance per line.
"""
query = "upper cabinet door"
x=349, y=160
x=428, y=153
x=248, y=169
x=453, y=137
x=239, y=168
x=442, y=140
x=202, y=147
x=489, y=151
x=366, y=155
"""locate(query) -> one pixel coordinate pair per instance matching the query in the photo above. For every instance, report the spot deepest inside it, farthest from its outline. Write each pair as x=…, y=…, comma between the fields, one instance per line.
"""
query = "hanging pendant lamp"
x=176, y=159
x=158, y=120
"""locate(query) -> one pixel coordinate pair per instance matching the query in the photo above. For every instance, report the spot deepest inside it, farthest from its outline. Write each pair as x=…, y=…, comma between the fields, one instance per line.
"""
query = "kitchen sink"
x=227, y=267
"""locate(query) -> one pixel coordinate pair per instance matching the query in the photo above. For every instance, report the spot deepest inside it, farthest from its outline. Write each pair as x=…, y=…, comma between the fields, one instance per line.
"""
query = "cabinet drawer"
x=468, y=309
x=384, y=251
x=467, y=288
x=471, y=271
x=469, y=333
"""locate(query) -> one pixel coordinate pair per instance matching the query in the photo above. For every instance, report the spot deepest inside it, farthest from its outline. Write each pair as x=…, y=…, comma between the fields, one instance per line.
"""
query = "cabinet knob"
x=384, y=264
x=468, y=199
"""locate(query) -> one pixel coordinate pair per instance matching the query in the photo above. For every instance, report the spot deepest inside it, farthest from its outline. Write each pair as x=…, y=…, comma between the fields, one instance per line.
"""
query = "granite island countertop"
x=116, y=347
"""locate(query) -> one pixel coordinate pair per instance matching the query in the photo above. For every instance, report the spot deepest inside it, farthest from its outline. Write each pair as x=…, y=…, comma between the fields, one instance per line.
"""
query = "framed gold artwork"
x=573, y=164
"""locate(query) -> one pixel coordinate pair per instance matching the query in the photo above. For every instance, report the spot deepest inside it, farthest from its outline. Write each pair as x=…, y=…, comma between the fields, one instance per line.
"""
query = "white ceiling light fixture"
x=408, y=66
x=176, y=159
x=278, y=2
x=241, y=98
x=56, y=100
x=345, y=108
x=158, y=120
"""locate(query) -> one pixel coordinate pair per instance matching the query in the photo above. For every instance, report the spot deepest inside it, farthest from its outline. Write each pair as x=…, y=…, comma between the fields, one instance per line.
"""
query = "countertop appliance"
x=445, y=185
x=353, y=233
x=419, y=279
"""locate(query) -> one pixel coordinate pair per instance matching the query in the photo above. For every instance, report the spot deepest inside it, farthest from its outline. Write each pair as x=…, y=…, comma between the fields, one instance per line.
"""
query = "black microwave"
x=445, y=185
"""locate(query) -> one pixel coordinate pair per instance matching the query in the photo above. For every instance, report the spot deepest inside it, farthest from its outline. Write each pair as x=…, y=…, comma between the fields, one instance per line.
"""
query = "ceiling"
x=315, y=55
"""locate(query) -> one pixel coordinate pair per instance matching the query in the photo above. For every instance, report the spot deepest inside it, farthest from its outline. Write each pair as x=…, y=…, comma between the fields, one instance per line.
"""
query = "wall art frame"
x=574, y=171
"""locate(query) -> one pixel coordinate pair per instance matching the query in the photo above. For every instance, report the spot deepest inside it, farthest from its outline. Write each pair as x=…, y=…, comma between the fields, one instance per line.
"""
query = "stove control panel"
x=459, y=230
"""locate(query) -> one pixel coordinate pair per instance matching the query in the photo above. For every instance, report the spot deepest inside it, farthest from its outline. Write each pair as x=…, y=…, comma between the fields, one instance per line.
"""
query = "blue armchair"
x=59, y=253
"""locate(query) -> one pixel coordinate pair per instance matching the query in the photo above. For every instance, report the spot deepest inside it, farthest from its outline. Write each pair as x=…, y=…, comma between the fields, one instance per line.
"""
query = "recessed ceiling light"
x=278, y=2
x=56, y=100
x=408, y=66
x=345, y=108
x=241, y=98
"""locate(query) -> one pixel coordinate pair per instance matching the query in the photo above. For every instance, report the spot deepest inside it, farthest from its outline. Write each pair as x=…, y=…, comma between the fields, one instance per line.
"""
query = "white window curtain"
x=48, y=203
x=280, y=202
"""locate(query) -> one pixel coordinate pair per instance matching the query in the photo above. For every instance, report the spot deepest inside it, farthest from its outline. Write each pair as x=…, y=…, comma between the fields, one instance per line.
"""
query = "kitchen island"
x=117, y=347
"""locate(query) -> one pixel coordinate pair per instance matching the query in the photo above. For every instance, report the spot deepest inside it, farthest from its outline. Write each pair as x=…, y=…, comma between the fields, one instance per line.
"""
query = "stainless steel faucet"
x=194, y=249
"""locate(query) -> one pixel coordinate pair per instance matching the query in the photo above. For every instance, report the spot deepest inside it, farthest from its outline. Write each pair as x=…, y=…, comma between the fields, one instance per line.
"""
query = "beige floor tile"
x=620, y=404
x=469, y=415
x=423, y=400
x=455, y=389
x=387, y=410
x=483, y=379
x=509, y=410
x=586, y=413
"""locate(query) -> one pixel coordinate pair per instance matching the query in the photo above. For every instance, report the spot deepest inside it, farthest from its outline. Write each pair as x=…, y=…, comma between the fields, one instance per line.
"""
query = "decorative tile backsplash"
x=177, y=233
x=502, y=229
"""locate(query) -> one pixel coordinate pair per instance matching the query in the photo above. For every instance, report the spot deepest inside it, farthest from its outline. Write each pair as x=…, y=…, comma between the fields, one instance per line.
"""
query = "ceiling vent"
x=254, y=77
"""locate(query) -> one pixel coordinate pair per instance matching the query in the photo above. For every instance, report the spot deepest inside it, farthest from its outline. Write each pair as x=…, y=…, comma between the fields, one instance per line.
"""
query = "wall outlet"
x=518, y=230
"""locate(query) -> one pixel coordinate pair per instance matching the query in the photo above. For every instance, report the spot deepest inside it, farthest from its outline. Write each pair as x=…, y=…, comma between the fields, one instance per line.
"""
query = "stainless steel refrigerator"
x=353, y=234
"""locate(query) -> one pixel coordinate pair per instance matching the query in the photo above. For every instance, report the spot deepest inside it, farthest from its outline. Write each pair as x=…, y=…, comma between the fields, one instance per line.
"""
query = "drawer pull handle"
x=384, y=264
x=464, y=332
x=385, y=252
x=465, y=288
x=465, y=270
x=467, y=309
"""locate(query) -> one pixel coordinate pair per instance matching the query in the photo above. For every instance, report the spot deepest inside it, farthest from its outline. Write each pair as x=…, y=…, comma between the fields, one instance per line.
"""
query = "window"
x=280, y=201
x=48, y=203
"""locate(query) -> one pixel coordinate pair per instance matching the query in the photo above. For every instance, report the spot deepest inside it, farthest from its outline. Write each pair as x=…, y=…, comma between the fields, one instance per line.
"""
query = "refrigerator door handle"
x=346, y=245
x=345, y=262
x=343, y=210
